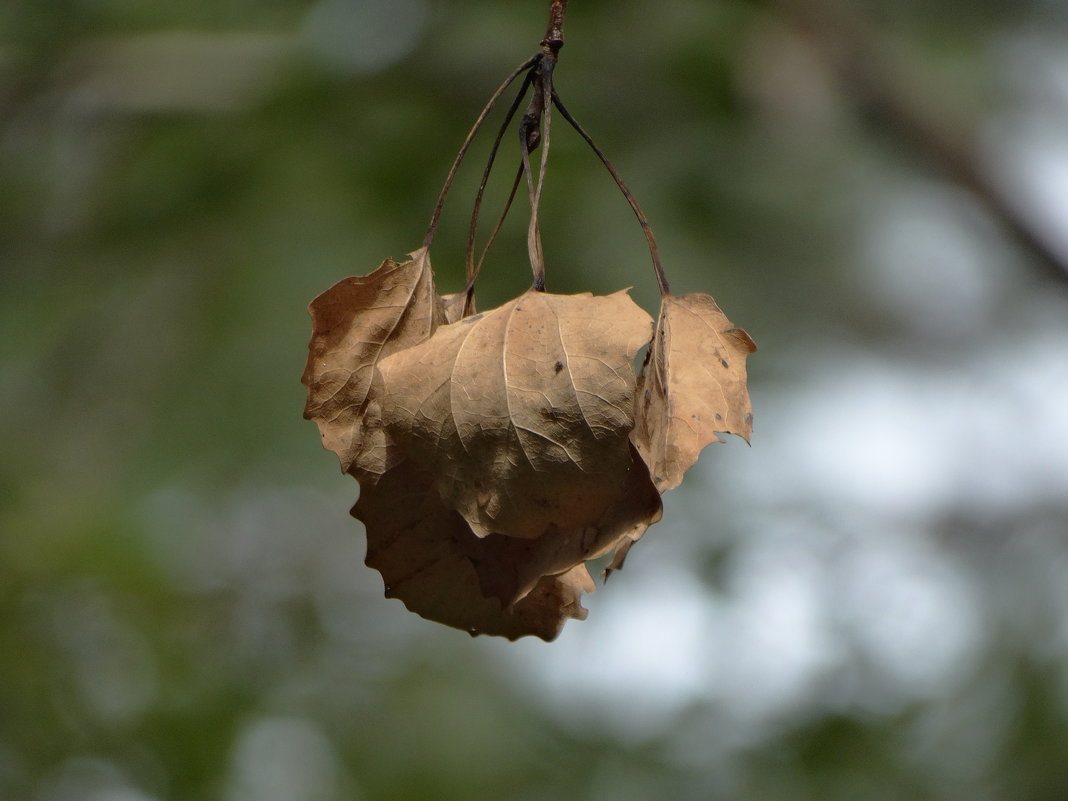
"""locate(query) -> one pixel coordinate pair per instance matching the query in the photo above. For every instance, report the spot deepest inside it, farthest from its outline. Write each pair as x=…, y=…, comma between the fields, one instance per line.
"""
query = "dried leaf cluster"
x=498, y=452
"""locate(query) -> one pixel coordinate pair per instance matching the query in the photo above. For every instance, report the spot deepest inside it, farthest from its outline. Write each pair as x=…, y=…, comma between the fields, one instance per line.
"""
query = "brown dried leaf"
x=522, y=413
x=421, y=549
x=453, y=306
x=693, y=385
x=510, y=567
x=355, y=323
x=618, y=558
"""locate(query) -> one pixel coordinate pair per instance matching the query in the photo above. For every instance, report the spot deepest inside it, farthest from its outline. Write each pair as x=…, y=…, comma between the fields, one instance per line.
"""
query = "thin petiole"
x=538, y=114
x=537, y=266
x=470, y=288
x=654, y=252
x=471, y=269
x=436, y=216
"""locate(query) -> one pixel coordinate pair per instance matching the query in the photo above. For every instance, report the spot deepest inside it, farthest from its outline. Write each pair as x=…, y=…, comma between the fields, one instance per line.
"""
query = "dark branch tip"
x=551, y=44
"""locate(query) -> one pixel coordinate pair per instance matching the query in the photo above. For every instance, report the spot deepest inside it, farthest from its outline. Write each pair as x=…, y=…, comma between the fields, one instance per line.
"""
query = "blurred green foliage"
x=183, y=609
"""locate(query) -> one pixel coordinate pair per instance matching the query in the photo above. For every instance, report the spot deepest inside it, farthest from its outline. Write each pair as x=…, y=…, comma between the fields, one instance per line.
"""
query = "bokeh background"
x=871, y=602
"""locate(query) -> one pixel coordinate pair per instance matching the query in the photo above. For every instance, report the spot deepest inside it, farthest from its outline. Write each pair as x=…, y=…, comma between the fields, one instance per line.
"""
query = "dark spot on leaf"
x=558, y=366
x=724, y=363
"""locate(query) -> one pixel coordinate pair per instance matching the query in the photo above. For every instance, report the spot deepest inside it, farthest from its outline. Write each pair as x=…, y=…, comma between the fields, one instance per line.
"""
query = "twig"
x=554, y=36
x=535, y=130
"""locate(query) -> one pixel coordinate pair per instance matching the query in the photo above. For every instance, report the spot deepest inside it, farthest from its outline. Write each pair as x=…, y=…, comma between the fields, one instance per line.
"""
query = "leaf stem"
x=643, y=221
x=471, y=268
x=500, y=220
x=539, y=112
x=436, y=216
x=470, y=288
x=535, y=129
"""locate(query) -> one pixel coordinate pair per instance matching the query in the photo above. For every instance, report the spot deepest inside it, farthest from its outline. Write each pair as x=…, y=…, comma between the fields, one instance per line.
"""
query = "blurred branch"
x=878, y=82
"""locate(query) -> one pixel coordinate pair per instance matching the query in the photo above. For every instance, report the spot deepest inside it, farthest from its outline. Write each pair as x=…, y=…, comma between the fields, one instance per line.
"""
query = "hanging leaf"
x=522, y=413
x=421, y=548
x=693, y=386
x=510, y=567
x=355, y=323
